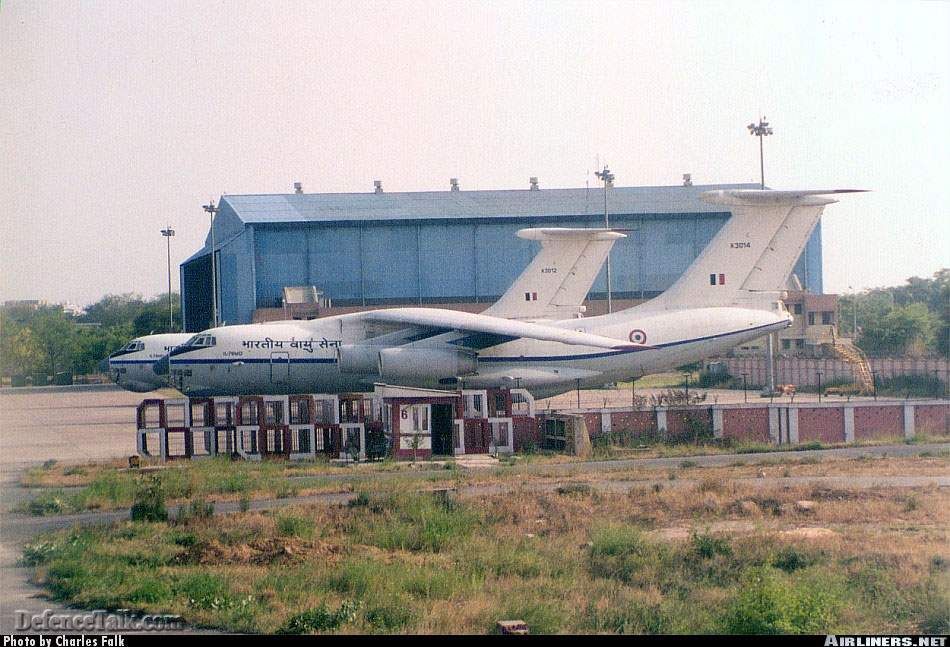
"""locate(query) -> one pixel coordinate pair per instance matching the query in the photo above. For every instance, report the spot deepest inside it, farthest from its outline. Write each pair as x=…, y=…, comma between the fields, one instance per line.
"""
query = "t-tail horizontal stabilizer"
x=755, y=250
x=556, y=282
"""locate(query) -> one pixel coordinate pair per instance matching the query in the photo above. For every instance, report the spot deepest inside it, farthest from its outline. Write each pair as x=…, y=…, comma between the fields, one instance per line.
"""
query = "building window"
x=799, y=343
x=827, y=318
x=786, y=344
x=420, y=418
x=796, y=308
x=811, y=318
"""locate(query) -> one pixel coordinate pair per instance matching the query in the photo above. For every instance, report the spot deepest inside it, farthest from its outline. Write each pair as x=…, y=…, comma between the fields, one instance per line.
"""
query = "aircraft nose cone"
x=161, y=366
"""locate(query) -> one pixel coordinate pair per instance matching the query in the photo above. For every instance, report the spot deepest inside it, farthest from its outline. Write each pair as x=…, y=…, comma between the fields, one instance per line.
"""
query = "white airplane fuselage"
x=304, y=356
x=131, y=367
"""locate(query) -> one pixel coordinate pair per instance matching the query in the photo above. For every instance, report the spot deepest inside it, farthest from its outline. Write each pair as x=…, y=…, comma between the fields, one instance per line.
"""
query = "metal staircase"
x=860, y=368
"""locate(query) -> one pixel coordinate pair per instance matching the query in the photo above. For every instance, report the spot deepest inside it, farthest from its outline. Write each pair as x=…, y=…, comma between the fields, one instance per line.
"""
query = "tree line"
x=47, y=340
x=906, y=320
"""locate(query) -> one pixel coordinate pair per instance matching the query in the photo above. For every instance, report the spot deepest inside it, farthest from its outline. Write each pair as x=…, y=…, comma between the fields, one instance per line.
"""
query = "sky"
x=122, y=117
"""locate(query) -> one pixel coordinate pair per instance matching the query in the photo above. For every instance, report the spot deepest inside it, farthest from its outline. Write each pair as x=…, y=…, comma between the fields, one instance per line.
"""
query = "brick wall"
x=932, y=419
x=527, y=431
x=746, y=424
x=686, y=422
x=878, y=422
x=637, y=423
x=593, y=421
x=825, y=424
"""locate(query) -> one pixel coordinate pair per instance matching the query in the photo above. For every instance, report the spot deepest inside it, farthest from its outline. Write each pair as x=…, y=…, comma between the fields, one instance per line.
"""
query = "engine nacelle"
x=358, y=360
x=425, y=364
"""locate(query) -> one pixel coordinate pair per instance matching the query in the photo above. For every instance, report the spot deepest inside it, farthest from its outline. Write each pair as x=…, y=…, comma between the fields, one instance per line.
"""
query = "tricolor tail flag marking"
x=713, y=279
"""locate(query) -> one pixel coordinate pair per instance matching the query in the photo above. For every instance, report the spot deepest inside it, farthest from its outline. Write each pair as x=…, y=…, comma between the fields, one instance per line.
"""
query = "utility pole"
x=760, y=130
x=212, y=210
x=168, y=233
x=608, y=179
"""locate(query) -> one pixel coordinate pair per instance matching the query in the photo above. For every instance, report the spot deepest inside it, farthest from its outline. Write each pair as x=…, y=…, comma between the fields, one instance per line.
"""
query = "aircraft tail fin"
x=753, y=254
x=556, y=282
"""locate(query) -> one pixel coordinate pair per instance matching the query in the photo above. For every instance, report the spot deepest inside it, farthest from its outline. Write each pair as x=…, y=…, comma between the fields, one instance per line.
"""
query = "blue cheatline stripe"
x=133, y=361
x=563, y=358
x=541, y=358
x=257, y=360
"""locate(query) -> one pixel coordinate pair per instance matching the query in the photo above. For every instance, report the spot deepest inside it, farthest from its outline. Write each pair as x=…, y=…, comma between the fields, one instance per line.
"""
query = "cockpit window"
x=201, y=341
x=134, y=345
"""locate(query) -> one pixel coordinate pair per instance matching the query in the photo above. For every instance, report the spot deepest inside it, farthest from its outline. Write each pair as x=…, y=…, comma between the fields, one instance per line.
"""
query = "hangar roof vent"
x=533, y=181
x=454, y=183
x=298, y=187
x=377, y=186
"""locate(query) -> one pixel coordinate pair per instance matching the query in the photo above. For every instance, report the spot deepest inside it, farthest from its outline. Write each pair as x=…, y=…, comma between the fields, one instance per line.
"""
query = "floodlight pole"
x=760, y=130
x=608, y=179
x=168, y=233
x=212, y=210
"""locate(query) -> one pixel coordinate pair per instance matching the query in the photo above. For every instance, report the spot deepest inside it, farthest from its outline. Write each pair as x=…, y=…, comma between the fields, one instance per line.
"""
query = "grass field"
x=65, y=489
x=715, y=556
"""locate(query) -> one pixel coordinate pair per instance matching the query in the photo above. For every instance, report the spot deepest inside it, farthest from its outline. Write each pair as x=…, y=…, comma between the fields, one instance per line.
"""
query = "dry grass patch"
x=704, y=557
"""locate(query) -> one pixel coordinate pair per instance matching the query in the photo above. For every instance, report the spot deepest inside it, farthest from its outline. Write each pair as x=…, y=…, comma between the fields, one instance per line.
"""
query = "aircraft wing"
x=435, y=319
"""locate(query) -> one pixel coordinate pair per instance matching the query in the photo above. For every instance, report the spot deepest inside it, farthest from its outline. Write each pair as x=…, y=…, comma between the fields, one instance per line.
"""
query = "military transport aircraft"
x=131, y=366
x=584, y=250
x=533, y=335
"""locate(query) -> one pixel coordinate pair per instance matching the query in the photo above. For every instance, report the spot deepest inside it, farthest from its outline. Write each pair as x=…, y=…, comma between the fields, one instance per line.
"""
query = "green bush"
x=416, y=521
x=707, y=546
x=767, y=604
x=149, y=502
x=294, y=526
x=388, y=617
x=621, y=552
x=791, y=559
x=360, y=501
x=321, y=618
x=205, y=591
x=935, y=609
x=39, y=552
x=48, y=503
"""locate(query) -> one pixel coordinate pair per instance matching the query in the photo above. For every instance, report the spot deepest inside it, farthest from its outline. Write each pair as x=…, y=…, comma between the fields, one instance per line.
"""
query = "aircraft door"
x=279, y=368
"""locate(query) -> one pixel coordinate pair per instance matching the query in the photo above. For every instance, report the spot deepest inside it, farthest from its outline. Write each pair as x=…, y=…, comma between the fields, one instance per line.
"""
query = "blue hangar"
x=454, y=248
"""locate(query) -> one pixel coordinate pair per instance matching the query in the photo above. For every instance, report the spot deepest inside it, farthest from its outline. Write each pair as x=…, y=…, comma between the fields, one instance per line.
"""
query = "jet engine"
x=358, y=360
x=398, y=364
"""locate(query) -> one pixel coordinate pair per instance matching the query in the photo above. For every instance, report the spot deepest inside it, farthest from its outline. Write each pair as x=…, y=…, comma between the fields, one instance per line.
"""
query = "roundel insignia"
x=638, y=336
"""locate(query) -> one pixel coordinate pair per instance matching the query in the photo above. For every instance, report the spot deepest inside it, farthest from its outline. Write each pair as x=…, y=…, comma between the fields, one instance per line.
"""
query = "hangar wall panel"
x=334, y=261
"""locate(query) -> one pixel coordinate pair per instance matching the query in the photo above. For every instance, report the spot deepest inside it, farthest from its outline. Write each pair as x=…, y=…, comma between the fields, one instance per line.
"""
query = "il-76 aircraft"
x=131, y=366
x=533, y=335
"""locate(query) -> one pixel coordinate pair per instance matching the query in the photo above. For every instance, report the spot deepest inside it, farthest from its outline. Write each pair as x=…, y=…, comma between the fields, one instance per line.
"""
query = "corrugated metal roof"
x=337, y=207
